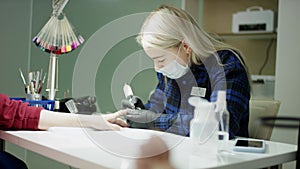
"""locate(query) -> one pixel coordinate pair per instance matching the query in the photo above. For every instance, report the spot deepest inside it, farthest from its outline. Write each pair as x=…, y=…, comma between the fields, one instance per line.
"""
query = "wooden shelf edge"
x=228, y=36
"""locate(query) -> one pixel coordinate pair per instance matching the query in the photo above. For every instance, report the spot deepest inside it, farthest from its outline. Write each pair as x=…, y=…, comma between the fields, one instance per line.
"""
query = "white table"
x=90, y=149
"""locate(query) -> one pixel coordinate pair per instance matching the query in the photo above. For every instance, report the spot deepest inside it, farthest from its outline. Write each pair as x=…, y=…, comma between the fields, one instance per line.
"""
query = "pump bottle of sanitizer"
x=223, y=117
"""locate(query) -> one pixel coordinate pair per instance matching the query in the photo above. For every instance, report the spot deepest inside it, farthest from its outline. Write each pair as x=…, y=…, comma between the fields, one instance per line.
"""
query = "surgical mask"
x=174, y=70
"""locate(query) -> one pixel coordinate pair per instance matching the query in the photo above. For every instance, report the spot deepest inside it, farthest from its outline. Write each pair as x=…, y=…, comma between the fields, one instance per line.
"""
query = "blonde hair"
x=167, y=27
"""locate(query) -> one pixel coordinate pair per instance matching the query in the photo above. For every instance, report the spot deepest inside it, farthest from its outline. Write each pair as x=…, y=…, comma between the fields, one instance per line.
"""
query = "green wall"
x=14, y=44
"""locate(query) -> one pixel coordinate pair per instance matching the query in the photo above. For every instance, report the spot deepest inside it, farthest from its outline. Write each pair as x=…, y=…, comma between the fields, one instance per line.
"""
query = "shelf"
x=232, y=36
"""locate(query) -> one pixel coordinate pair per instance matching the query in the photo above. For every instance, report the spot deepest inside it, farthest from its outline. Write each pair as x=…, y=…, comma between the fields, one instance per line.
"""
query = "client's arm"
x=100, y=122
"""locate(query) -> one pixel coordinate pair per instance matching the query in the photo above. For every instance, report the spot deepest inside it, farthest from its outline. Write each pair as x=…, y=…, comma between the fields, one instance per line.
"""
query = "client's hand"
x=114, y=118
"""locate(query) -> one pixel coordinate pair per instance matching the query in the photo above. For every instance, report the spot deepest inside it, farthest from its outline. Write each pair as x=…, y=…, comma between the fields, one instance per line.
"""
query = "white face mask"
x=174, y=70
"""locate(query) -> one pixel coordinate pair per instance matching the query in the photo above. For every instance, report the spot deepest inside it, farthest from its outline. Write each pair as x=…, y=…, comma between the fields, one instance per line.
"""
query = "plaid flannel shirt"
x=171, y=96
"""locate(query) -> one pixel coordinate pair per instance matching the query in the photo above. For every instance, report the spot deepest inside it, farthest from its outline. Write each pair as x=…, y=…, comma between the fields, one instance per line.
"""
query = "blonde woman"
x=188, y=63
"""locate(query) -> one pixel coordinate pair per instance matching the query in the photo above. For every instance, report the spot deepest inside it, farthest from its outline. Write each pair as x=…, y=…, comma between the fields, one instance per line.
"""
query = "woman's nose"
x=158, y=66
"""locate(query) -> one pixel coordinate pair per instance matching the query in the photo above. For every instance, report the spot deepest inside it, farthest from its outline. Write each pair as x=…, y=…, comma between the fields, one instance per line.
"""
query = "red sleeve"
x=16, y=115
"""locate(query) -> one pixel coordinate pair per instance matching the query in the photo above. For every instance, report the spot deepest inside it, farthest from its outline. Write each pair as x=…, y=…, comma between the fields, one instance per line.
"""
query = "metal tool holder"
x=52, y=82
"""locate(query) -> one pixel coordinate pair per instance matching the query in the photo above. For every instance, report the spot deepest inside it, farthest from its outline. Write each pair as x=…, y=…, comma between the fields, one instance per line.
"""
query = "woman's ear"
x=187, y=48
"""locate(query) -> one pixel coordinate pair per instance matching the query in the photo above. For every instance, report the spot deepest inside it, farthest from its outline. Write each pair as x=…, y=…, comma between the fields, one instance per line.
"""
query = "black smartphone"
x=250, y=145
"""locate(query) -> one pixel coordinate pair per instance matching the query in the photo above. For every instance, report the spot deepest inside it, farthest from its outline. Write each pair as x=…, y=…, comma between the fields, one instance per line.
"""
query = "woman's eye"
x=161, y=60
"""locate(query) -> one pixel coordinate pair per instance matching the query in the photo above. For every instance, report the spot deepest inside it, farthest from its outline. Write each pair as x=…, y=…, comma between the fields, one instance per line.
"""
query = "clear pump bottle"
x=223, y=117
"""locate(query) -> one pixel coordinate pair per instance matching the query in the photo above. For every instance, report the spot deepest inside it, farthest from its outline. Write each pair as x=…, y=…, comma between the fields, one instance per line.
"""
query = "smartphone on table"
x=250, y=145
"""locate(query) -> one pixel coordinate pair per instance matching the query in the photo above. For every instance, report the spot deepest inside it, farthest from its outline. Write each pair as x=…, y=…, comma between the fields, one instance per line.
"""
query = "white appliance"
x=253, y=20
